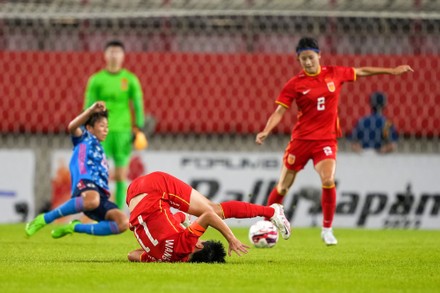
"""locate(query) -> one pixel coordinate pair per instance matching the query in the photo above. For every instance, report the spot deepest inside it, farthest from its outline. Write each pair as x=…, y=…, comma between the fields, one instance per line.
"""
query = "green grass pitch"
x=363, y=261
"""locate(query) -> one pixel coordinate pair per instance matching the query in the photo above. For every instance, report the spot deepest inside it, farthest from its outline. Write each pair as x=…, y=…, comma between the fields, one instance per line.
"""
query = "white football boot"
x=280, y=221
x=328, y=237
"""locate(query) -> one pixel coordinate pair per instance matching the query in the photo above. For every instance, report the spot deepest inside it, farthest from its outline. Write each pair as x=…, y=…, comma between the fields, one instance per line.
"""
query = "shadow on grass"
x=90, y=261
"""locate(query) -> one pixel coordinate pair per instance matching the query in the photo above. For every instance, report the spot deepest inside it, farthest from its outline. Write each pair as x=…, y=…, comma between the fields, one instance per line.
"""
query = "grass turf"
x=363, y=261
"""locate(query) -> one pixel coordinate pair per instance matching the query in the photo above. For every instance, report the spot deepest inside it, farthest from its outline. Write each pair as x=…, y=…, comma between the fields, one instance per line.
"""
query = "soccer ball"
x=263, y=234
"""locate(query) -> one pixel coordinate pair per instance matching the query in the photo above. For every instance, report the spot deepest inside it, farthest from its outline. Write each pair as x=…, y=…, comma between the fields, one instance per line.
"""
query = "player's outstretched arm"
x=74, y=125
x=273, y=121
x=368, y=71
x=210, y=218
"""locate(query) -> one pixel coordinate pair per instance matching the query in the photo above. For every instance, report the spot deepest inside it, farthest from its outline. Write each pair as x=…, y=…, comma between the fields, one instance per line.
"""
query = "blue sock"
x=70, y=207
x=101, y=228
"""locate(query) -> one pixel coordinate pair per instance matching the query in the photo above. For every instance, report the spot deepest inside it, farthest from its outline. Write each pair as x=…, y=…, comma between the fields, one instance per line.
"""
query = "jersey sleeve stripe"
x=169, y=221
x=282, y=104
x=179, y=197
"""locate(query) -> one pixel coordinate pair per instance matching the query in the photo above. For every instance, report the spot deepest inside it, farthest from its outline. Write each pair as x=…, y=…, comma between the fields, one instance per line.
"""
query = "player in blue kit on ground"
x=89, y=176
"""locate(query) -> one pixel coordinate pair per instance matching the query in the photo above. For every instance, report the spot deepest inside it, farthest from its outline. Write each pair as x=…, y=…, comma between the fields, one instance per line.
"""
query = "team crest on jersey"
x=124, y=84
x=291, y=159
x=331, y=86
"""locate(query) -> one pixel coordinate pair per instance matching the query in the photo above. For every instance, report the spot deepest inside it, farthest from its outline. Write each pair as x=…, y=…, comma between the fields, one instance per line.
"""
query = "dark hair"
x=307, y=43
x=114, y=43
x=377, y=101
x=95, y=117
x=212, y=252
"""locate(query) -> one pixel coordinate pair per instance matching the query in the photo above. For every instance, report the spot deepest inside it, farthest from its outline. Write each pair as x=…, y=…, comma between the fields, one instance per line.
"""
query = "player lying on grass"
x=89, y=175
x=159, y=231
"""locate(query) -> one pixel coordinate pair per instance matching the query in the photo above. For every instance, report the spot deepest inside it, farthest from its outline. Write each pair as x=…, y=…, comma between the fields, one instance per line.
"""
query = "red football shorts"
x=299, y=152
x=163, y=191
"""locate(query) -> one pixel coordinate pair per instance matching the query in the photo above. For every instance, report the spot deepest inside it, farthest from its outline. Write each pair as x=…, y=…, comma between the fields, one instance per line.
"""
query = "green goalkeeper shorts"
x=118, y=146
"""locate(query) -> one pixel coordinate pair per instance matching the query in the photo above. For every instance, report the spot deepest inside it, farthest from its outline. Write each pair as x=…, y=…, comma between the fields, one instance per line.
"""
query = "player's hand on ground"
x=261, y=137
x=238, y=247
x=97, y=107
x=402, y=69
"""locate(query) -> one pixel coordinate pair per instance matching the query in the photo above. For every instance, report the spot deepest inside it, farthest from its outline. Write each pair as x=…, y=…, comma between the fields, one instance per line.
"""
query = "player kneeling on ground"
x=89, y=174
x=160, y=233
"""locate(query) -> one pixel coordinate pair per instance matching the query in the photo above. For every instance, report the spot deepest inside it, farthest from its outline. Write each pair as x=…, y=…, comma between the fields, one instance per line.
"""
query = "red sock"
x=328, y=202
x=241, y=210
x=274, y=197
x=179, y=216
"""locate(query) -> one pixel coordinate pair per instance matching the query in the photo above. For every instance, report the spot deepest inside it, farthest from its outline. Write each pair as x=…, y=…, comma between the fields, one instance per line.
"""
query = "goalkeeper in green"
x=121, y=91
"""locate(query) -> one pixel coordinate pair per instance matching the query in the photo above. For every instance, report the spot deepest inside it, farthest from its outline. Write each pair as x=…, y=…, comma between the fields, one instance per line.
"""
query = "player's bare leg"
x=199, y=204
x=286, y=180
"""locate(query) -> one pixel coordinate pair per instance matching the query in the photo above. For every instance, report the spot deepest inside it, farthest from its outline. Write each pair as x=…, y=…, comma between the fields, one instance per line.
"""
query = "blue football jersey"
x=88, y=161
x=373, y=131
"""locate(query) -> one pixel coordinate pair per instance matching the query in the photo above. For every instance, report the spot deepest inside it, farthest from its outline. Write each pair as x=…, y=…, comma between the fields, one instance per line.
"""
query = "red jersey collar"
x=308, y=74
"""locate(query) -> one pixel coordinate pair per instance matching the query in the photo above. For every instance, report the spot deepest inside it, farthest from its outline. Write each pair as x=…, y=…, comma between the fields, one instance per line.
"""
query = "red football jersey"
x=160, y=234
x=162, y=238
x=316, y=97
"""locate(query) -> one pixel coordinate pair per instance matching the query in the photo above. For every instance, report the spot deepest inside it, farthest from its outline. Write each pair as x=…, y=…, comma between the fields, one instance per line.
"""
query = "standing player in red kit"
x=159, y=231
x=315, y=90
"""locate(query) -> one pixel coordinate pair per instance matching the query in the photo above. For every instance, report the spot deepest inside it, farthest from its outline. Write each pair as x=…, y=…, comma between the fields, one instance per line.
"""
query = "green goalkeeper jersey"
x=117, y=90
